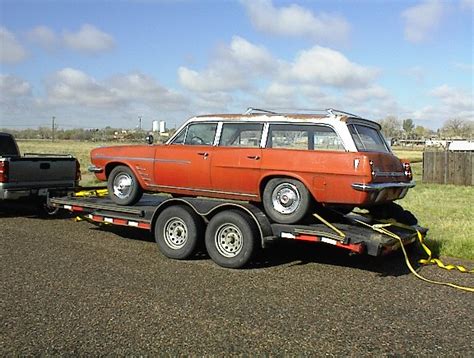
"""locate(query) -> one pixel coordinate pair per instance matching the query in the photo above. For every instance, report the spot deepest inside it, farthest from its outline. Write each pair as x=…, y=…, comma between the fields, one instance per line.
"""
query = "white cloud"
x=89, y=39
x=422, y=20
x=12, y=86
x=295, y=20
x=454, y=98
x=11, y=51
x=74, y=87
x=235, y=67
x=43, y=36
x=467, y=67
x=329, y=67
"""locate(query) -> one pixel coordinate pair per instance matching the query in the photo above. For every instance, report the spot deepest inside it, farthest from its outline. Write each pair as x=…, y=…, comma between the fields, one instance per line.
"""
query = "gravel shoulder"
x=70, y=288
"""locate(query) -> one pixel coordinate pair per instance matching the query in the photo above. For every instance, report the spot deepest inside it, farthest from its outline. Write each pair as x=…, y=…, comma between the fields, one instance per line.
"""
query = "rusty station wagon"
x=285, y=162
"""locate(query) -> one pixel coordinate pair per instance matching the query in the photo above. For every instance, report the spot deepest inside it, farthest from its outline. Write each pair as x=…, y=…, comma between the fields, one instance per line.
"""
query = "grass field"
x=445, y=209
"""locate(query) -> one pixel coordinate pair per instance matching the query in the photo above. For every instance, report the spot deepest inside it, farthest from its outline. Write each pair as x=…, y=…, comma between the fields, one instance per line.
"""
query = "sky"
x=93, y=64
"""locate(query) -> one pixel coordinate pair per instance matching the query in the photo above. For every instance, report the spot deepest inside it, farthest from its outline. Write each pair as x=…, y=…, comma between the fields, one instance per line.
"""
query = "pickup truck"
x=34, y=176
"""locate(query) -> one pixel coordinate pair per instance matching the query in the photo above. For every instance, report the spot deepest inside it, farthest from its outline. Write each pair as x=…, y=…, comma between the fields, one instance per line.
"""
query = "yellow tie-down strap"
x=91, y=192
x=382, y=228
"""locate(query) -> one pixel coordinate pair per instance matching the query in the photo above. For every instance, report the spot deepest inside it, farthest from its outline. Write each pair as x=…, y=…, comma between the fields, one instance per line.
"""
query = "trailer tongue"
x=232, y=230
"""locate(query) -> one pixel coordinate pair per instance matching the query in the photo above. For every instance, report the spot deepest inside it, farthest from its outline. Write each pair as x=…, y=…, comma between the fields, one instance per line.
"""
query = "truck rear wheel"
x=231, y=239
x=178, y=231
x=123, y=186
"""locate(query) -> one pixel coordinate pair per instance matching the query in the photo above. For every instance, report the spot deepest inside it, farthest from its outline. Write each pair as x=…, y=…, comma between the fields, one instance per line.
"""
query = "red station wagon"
x=287, y=162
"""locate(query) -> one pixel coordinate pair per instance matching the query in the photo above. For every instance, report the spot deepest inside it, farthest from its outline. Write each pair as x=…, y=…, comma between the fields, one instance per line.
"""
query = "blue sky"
x=105, y=63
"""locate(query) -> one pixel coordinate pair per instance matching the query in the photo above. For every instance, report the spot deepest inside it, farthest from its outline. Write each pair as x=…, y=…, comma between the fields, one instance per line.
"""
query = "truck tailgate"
x=41, y=170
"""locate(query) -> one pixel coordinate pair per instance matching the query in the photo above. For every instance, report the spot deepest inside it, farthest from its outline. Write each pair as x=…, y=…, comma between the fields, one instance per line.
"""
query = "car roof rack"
x=330, y=111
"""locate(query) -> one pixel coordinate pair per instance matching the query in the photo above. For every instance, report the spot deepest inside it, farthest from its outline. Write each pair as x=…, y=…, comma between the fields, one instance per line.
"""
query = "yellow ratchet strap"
x=382, y=229
x=92, y=192
x=329, y=225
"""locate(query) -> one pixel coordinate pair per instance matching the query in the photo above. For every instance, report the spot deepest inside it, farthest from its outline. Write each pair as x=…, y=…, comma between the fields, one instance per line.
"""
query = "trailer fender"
x=208, y=208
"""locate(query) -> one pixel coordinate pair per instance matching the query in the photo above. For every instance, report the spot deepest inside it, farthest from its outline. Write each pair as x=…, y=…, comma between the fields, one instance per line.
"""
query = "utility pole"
x=140, y=123
x=53, y=127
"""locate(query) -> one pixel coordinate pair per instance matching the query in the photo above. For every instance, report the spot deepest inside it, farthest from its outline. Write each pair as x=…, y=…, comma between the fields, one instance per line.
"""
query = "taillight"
x=372, y=171
x=407, y=169
x=78, y=170
x=3, y=172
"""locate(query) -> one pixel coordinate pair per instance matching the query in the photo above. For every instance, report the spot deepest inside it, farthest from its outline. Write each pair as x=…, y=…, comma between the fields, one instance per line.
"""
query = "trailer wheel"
x=286, y=201
x=178, y=230
x=123, y=186
x=231, y=239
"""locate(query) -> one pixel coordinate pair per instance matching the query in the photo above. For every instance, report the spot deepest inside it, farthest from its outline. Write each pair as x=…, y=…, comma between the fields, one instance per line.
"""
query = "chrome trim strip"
x=204, y=190
x=382, y=186
x=94, y=169
x=389, y=174
x=144, y=159
x=160, y=160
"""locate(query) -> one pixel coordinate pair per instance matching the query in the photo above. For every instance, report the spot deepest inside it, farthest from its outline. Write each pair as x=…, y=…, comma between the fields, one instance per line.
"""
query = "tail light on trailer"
x=3, y=172
x=407, y=169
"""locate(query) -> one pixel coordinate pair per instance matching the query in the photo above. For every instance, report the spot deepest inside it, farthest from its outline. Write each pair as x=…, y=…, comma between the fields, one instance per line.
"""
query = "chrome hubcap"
x=122, y=185
x=286, y=198
x=228, y=240
x=175, y=233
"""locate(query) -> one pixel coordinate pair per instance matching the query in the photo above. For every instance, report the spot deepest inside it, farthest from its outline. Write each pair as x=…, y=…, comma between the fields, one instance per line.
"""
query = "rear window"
x=368, y=139
x=7, y=146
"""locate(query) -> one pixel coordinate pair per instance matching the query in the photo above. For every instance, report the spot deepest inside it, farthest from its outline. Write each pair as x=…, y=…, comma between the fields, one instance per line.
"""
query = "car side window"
x=241, y=135
x=201, y=134
x=326, y=139
x=180, y=138
x=289, y=136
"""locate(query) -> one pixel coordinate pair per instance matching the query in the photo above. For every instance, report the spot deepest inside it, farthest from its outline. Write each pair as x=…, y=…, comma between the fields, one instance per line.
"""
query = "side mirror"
x=149, y=139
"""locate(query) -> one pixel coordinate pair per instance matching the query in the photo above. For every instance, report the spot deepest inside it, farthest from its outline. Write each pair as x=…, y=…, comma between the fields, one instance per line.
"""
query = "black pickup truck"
x=34, y=175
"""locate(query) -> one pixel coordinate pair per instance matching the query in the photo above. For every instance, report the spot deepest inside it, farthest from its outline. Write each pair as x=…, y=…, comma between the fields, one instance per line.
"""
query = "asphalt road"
x=70, y=288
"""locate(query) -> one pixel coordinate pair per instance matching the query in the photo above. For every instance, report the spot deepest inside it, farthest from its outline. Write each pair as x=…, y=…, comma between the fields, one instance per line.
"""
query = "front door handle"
x=254, y=157
x=204, y=154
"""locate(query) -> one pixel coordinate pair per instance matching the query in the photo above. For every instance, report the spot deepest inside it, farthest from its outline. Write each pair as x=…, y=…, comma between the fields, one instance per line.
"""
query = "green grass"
x=445, y=209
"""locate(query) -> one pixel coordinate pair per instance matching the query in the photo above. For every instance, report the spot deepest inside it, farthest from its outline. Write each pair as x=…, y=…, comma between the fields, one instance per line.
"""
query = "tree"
x=408, y=126
x=456, y=127
x=391, y=127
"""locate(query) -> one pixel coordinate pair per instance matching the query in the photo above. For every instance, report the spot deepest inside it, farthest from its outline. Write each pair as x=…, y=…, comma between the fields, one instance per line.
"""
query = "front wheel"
x=123, y=186
x=286, y=201
x=231, y=239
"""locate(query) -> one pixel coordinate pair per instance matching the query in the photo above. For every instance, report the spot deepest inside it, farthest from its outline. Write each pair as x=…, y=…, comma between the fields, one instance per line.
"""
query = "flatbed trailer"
x=232, y=231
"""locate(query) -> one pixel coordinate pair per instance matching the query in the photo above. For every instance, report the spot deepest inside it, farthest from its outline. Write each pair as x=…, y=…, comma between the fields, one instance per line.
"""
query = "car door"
x=185, y=163
x=236, y=161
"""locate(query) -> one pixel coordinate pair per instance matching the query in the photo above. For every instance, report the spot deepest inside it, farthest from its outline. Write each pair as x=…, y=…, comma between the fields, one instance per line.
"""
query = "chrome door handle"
x=204, y=154
x=255, y=157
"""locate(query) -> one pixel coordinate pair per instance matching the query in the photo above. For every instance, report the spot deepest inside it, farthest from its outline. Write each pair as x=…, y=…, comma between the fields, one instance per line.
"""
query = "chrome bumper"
x=94, y=169
x=370, y=187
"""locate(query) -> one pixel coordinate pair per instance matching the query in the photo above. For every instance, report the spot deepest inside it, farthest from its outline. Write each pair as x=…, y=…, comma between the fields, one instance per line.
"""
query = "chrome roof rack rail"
x=251, y=110
x=333, y=112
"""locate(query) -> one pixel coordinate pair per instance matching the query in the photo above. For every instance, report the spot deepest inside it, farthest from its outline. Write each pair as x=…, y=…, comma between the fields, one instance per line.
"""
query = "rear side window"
x=306, y=137
x=241, y=135
x=367, y=139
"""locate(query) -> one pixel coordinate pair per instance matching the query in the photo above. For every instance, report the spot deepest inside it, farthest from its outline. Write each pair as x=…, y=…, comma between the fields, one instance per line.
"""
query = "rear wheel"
x=123, y=186
x=231, y=239
x=178, y=231
x=285, y=200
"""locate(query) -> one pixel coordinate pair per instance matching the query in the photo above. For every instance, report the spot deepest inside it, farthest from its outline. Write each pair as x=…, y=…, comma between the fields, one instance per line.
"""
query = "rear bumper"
x=14, y=192
x=94, y=169
x=375, y=187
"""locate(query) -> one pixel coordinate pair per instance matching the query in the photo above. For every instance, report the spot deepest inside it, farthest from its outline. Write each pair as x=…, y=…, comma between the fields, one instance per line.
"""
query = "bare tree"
x=456, y=127
x=391, y=127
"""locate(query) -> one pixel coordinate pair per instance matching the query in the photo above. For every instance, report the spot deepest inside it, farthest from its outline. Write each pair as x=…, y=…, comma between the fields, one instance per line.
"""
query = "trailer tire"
x=231, y=239
x=286, y=201
x=123, y=186
x=178, y=231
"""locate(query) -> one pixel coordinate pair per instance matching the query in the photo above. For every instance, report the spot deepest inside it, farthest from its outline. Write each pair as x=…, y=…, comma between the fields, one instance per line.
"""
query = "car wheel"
x=286, y=201
x=178, y=230
x=123, y=186
x=231, y=239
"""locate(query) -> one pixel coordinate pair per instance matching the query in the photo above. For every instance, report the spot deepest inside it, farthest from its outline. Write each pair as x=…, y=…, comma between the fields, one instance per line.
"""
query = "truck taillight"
x=407, y=169
x=78, y=170
x=3, y=172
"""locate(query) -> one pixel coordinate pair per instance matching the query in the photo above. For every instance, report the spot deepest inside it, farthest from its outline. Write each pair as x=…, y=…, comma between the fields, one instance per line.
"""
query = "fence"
x=448, y=168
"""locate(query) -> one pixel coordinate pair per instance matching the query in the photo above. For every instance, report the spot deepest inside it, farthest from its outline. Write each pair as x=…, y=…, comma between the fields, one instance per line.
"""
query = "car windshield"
x=368, y=139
